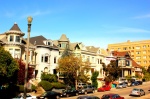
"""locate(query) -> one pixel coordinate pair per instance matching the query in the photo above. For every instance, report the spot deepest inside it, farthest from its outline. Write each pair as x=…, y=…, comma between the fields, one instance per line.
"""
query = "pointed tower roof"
x=15, y=30
x=15, y=27
x=63, y=38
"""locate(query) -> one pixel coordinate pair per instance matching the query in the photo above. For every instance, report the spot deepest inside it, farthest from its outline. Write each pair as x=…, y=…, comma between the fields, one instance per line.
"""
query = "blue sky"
x=93, y=22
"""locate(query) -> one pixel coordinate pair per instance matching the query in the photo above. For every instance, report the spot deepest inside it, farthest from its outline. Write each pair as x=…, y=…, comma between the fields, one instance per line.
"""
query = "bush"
x=21, y=88
x=47, y=86
x=49, y=77
x=58, y=85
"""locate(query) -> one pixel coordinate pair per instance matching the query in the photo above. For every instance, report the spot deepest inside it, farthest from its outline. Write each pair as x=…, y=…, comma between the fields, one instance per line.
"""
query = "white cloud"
x=118, y=29
x=36, y=13
x=142, y=16
x=9, y=14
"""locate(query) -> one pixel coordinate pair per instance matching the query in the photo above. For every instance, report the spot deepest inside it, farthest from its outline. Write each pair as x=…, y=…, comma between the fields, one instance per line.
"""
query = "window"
x=42, y=58
x=137, y=47
x=125, y=48
x=63, y=45
x=93, y=59
x=144, y=46
x=144, y=52
x=145, y=62
x=137, y=52
x=11, y=51
x=138, y=57
x=88, y=58
x=11, y=38
x=54, y=59
x=48, y=43
x=139, y=62
x=46, y=59
x=144, y=57
x=17, y=38
x=17, y=53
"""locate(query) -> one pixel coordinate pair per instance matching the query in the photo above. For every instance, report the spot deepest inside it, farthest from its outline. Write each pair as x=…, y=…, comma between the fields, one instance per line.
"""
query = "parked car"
x=88, y=97
x=86, y=89
x=112, y=96
x=104, y=88
x=81, y=84
x=121, y=85
x=137, y=92
x=140, y=82
x=21, y=96
x=49, y=95
x=69, y=92
x=135, y=83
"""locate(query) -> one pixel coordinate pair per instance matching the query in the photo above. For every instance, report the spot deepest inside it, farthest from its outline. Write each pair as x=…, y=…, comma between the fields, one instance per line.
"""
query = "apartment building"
x=139, y=50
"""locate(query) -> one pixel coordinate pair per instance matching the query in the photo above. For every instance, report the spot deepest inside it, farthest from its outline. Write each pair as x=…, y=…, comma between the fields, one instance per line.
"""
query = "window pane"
x=46, y=59
x=17, y=38
x=11, y=38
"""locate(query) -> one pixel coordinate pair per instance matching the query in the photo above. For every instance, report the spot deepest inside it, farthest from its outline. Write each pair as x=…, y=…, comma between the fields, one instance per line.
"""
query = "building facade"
x=138, y=50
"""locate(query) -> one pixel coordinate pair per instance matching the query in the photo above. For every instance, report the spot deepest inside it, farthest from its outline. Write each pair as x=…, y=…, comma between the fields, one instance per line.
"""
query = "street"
x=123, y=92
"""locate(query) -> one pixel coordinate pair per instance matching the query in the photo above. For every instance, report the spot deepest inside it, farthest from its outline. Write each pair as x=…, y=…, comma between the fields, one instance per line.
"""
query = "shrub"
x=46, y=85
x=58, y=85
x=49, y=77
x=21, y=88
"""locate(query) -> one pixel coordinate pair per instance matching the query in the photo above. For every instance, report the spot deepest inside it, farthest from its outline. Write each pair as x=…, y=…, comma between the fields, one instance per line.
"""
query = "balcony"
x=138, y=70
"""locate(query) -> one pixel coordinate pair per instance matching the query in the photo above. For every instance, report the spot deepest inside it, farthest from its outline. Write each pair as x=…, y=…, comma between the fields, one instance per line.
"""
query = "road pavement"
x=123, y=92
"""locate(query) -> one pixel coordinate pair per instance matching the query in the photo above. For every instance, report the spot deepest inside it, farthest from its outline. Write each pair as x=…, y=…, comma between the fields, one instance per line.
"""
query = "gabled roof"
x=63, y=38
x=92, y=48
x=123, y=54
x=120, y=54
x=72, y=46
x=37, y=40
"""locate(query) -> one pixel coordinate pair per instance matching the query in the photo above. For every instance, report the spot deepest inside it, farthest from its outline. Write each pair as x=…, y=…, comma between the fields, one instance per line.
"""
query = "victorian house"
x=13, y=42
x=46, y=55
x=94, y=55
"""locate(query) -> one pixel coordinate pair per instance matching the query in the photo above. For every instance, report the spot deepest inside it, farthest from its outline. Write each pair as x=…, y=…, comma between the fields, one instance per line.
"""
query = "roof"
x=63, y=38
x=92, y=48
x=38, y=40
x=123, y=54
x=120, y=54
x=15, y=27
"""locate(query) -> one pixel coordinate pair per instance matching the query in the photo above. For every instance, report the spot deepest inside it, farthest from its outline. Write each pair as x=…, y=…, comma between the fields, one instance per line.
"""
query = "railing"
x=138, y=69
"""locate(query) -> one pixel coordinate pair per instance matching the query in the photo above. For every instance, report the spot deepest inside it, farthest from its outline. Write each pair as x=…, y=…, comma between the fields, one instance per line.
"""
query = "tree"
x=72, y=67
x=148, y=70
x=8, y=67
x=94, y=79
x=21, y=72
x=112, y=71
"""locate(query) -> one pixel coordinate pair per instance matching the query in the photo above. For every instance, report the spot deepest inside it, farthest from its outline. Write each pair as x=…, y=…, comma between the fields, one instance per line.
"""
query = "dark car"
x=112, y=96
x=86, y=89
x=69, y=92
x=135, y=83
x=49, y=95
x=88, y=97
x=140, y=82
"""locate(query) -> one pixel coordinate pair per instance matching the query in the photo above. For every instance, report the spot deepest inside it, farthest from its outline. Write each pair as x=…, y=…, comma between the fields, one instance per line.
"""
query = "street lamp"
x=27, y=55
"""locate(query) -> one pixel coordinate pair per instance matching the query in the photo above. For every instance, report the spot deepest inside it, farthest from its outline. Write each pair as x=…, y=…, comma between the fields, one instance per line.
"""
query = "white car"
x=21, y=96
x=137, y=92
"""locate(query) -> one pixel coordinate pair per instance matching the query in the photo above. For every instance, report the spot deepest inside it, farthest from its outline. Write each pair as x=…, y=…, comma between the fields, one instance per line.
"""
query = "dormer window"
x=48, y=43
x=11, y=38
x=17, y=38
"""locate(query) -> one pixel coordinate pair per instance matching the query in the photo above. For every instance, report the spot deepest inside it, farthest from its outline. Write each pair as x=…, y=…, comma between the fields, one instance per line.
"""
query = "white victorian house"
x=46, y=55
